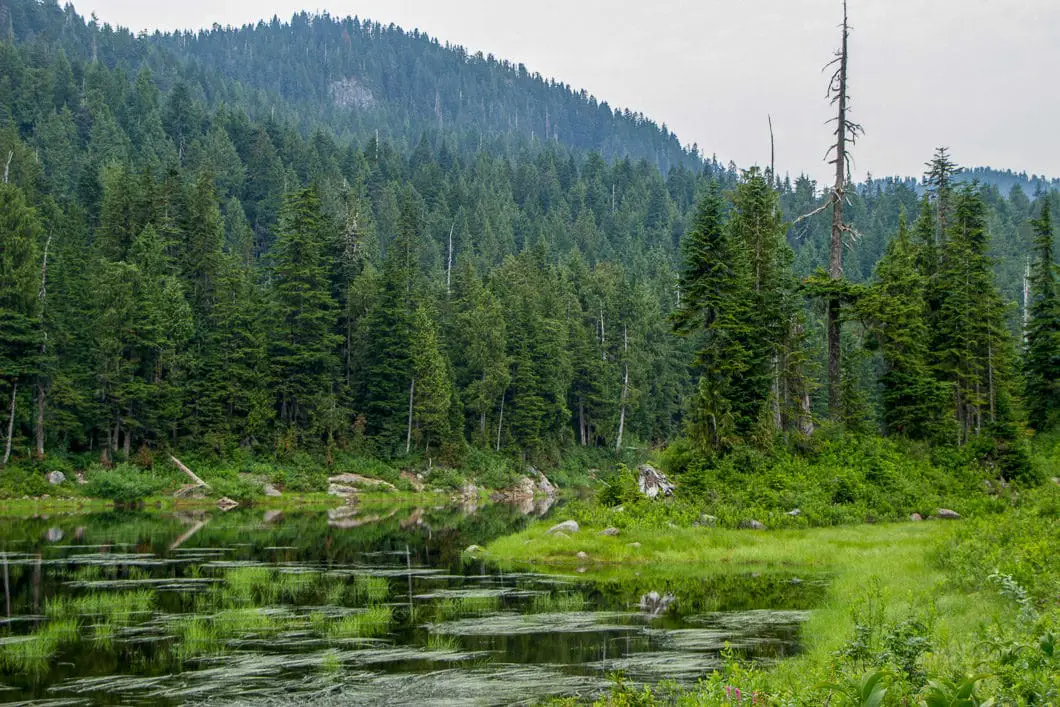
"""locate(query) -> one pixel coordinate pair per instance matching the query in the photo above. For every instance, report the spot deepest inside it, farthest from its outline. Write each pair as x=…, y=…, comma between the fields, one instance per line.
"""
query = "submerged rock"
x=655, y=604
x=752, y=524
x=947, y=514
x=567, y=526
x=652, y=482
x=610, y=531
x=55, y=477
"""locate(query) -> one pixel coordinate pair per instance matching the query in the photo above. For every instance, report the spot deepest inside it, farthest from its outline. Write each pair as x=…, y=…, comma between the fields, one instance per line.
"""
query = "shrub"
x=127, y=483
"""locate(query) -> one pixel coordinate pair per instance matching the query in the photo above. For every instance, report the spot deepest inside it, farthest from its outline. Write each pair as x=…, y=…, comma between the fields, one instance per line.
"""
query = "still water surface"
x=369, y=606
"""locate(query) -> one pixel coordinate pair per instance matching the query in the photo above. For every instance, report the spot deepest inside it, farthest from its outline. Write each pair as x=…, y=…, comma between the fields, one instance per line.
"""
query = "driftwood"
x=188, y=472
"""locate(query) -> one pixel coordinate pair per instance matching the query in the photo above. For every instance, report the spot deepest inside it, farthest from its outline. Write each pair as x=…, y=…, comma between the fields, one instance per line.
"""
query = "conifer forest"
x=301, y=248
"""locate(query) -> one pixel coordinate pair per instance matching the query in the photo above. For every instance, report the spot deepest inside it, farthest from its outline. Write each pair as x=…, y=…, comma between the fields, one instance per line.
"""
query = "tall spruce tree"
x=1041, y=358
x=20, y=235
x=717, y=288
x=914, y=402
x=303, y=344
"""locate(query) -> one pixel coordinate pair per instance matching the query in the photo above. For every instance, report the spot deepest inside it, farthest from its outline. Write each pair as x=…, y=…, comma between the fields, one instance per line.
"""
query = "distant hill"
x=1005, y=180
x=360, y=78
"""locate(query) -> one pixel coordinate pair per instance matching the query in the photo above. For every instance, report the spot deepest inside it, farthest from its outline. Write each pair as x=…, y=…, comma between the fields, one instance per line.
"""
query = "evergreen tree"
x=1041, y=358
x=303, y=343
x=20, y=234
x=913, y=401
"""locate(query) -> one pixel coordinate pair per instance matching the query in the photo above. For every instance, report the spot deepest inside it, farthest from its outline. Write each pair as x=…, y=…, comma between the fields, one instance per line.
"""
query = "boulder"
x=521, y=492
x=567, y=526
x=271, y=490
x=272, y=516
x=414, y=481
x=358, y=480
x=612, y=532
x=706, y=519
x=226, y=504
x=947, y=514
x=582, y=556
x=752, y=524
x=341, y=491
x=653, y=483
x=55, y=477
x=794, y=513
x=916, y=517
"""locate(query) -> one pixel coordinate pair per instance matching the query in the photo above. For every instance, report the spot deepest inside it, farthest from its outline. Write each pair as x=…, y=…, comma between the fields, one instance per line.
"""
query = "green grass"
x=456, y=607
x=369, y=589
x=33, y=653
x=892, y=588
x=558, y=603
x=368, y=623
x=118, y=608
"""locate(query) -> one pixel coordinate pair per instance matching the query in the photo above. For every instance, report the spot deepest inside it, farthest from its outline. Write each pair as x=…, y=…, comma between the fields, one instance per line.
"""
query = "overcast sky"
x=976, y=75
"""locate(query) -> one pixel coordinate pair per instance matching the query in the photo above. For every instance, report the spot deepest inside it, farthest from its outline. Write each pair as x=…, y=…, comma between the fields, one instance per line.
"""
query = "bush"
x=127, y=483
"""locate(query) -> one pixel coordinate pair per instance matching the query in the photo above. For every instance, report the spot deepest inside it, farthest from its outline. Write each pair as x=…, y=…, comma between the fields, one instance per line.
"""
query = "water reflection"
x=365, y=604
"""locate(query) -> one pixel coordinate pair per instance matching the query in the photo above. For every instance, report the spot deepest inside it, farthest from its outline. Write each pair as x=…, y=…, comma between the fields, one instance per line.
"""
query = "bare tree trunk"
x=412, y=397
x=500, y=423
x=625, y=389
x=41, y=390
x=603, y=336
x=845, y=131
x=449, y=265
x=1026, y=301
x=772, y=154
x=188, y=472
x=10, y=425
x=7, y=165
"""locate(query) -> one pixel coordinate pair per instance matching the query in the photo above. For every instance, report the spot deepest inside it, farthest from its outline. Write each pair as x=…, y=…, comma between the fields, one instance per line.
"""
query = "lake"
x=353, y=605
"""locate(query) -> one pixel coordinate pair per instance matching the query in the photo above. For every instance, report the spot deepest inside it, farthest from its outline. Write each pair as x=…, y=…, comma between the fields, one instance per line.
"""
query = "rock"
x=341, y=491
x=655, y=604
x=947, y=514
x=634, y=544
x=414, y=481
x=612, y=532
x=226, y=504
x=522, y=492
x=752, y=525
x=653, y=482
x=582, y=556
x=706, y=519
x=468, y=498
x=358, y=480
x=545, y=486
x=472, y=549
x=55, y=477
x=794, y=513
x=271, y=490
x=271, y=516
x=567, y=526
x=916, y=517
x=54, y=535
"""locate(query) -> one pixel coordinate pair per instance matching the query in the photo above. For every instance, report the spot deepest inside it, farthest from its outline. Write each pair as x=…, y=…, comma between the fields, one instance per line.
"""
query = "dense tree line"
x=188, y=259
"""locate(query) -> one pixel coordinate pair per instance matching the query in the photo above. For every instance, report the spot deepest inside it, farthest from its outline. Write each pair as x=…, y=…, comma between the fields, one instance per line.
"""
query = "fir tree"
x=1041, y=358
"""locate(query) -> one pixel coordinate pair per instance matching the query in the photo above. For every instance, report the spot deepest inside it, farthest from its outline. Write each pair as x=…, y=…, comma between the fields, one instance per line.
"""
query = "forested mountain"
x=334, y=234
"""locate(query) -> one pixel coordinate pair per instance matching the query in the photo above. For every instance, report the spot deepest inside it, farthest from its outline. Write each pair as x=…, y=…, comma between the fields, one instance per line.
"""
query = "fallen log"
x=190, y=474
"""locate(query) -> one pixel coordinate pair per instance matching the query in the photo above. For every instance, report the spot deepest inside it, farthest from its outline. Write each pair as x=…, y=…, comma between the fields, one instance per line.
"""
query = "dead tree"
x=846, y=133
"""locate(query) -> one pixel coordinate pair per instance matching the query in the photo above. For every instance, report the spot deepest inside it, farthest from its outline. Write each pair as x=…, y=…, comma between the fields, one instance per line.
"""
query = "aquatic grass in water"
x=370, y=623
x=551, y=603
x=370, y=589
x=455, y=607
x=245, y=584
x=31, y=654
x=442, y=643
x=116, y=607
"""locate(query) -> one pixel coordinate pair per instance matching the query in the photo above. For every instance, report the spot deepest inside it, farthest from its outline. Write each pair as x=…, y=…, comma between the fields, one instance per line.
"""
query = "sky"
x=977, y=76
